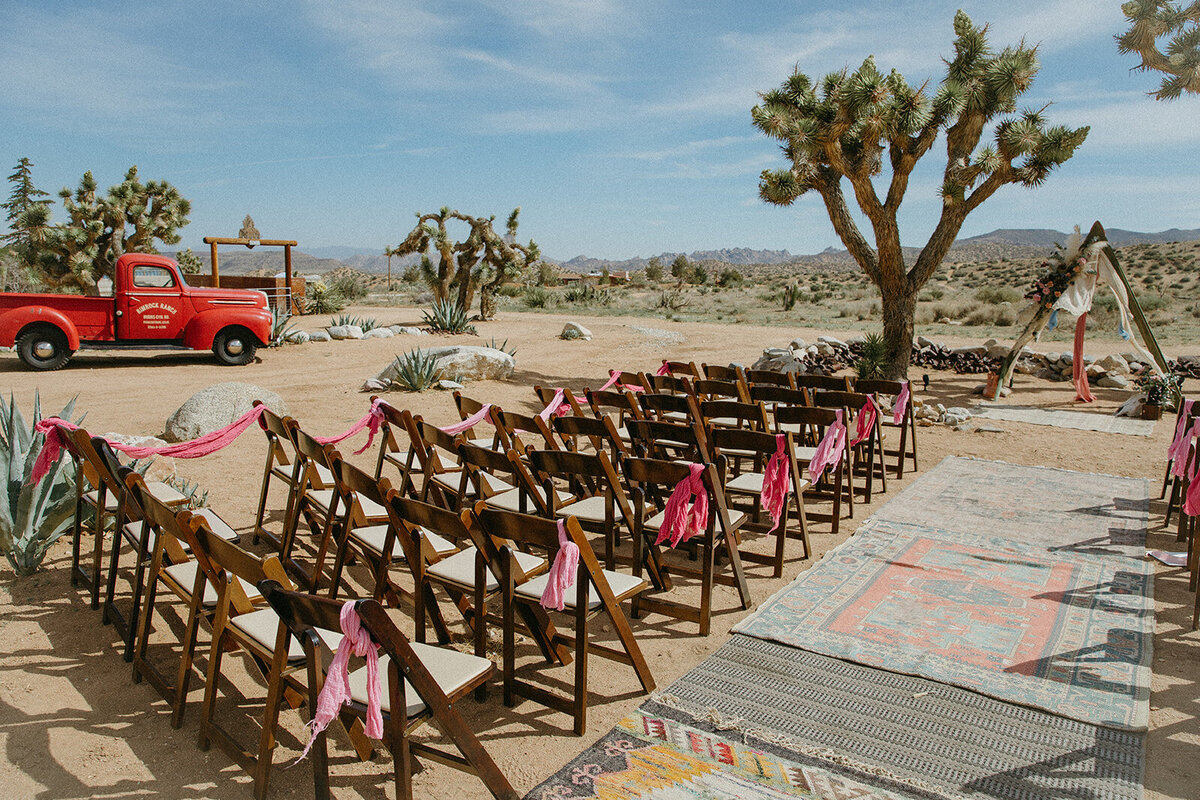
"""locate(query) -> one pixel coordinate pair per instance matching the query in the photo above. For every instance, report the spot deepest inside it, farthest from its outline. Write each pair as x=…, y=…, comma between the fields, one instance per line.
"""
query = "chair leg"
x=208, y=708
x=581, y=659
x=184, y=676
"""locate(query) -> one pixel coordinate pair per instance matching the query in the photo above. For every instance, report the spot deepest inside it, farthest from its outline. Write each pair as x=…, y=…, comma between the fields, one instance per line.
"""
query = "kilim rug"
x=1060, y=510
x=916, y=730
x=659, y=753
x=1076, y=420
x=1066, y=631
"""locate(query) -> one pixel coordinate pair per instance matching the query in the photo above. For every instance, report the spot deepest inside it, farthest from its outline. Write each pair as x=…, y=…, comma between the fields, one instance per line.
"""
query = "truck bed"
x=93, y=316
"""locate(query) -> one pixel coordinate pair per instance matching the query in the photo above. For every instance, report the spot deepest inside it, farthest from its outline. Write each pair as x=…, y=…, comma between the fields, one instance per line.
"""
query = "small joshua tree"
x=852, y=126
x=1150, y=21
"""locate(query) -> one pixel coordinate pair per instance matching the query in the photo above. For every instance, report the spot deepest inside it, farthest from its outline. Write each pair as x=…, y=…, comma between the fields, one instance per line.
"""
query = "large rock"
x=378, y=333
x=573, y=330
x=1114, y=364
x=161, y=467
x=458, y=362
x=319, y=336
x=345, y=332
x=1113, y=381
x=215, y=407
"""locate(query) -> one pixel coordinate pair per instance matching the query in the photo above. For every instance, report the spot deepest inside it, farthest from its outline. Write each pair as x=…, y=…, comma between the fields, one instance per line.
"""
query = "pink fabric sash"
x=1079, y=371
x=613, y=375
x=562, y=572
x=777, y=480
x=469, y=422
x=864, y=422
x=901, y=404
x=336, y=691
x=1177, y=453
x=557, y=407
x=663, y=370
x=1191, y=504
x=372, y=420
x=53, y=428
x=683, y=518
x=829, y=450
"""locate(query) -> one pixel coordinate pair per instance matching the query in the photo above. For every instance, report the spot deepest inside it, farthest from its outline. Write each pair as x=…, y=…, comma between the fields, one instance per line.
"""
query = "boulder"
x=1113, y=381
x=298, y=337
x=450, y=386
x=319, y=336
x=466, y=362
x=829, y=340
x=798, y=344
x=973, y=350
x=573, y=330
x=215, y=407
x=378, y=333
x=925, y=342
x=1114, y=363
x=998, y=351
x=1095, y=371
x=408, y=330
x=345, y=332
x=161, y=467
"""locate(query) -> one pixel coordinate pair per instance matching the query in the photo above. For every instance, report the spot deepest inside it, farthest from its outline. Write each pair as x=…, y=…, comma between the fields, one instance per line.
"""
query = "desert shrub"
x=411, y=274
x=194, y=497
x=1151, y=303
x=417, y=370
x=991, y=315
x=952, y=310
x=730, y=277
x=995, y=295
x=281, y=326
x=351, y=287
x=570, y=333
x=671, y=300
x=32, y=516
x=320, y=299
x=587, y=293
x=511, y=290
x=447, y=316
x=873, y=358
x=537, y=297
x=930, y=295
x=791, y=295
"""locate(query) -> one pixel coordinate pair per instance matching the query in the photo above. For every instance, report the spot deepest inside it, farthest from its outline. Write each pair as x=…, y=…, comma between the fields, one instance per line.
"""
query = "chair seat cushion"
x=184, y=576
x=262, y=626
x=459, y=569
x=752, y=483
x=805, y=453
x=588, y=509
x=165, y=494
x=372, y=537
x=451, y=670
x=511, y=501
x=622, y=586
x=219, y=526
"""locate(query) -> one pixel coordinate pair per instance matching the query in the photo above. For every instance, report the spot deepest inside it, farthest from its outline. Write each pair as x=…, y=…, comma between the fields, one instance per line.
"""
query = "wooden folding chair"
x=600, y=434
x=484, y=470
x=680, y=369
x=807, y=426
x=732, y=448
x=378, y=545
x=830, y=383
x=711, y=389
x=545, y=394
x=771, y=395
x=668, y=384
x=442, y=478
x=394, y=426
x=668, y=440
x=1179, y=485
x=867, y=455
x=651, y=482
x=237, y=626
x=669, y=407
x=769, y=377
x=596, y=592
x=607, y=403
x=315, y=501
x=907, y=426
x=468, y=406
x=626, y=379
x=425, y=681
x=715, y=372
x=280, y=466
x=520, y=431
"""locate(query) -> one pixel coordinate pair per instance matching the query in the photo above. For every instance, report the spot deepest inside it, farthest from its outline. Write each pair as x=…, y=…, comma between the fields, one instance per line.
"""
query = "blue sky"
x=622, y=127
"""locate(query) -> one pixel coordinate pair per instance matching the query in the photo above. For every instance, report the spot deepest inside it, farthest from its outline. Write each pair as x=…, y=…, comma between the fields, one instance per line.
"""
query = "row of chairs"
x=1177, y=480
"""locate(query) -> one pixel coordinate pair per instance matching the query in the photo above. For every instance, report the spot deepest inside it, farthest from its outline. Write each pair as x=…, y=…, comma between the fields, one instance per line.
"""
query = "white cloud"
x=555, y=18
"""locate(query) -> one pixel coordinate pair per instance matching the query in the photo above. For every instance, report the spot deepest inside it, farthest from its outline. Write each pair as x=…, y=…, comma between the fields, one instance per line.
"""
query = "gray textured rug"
x=932, y=735
x=1076, y=420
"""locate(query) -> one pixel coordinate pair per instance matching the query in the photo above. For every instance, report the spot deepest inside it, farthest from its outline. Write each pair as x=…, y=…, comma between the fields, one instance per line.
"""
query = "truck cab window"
x=153, y=277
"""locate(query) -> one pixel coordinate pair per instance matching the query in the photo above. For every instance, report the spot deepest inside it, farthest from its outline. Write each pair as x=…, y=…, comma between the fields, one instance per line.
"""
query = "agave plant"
x=194, y=496
x=874, y=357
x=281, y=326
x=417, y=370
x=448, y=316
x=32, y=517
x=502, y=347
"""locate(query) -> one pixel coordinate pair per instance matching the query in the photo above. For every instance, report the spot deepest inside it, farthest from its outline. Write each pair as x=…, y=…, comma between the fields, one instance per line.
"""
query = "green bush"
x=32, y=516
x=874, y=357
x=537, y=297
x=320, y=299
x=447, y=316
x=417, y=370
x=995, y=295
x=351, y=287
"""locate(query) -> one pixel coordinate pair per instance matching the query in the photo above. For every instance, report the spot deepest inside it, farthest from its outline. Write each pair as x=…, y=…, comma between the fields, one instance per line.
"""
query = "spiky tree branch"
x=853, y=126
x=1150, y=21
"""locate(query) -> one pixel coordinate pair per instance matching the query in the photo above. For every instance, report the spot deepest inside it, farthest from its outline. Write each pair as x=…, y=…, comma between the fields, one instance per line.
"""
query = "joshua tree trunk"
x=899, y=306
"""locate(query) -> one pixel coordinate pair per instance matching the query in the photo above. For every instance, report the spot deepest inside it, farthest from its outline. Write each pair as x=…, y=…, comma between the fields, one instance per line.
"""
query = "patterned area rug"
x=918, y=731
x=1061, y=510
x=1077, y=420
x=658, y=753
x=1064, y=631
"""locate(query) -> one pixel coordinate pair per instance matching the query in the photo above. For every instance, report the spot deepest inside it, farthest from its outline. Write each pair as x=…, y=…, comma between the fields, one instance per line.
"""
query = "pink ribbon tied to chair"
x=829, y=450
x=336, y=691
x=901, y=404
x=373, y=419
x=665, y=369
x=777, y=480
x=469, y=422
x=1177, y=453
x=556, y=406
x=1191, y=503
x=686, y=513
x=562, y=572
x=615, y=375
x=864, y=422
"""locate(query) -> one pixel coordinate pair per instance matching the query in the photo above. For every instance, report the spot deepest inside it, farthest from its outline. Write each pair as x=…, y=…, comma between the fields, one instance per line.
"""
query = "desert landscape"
x=73, y=725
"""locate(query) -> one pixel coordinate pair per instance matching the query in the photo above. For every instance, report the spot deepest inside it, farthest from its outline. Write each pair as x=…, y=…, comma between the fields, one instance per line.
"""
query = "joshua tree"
x=1150, y=21
x=854, y=125
x=483, y=260
x=130, y=218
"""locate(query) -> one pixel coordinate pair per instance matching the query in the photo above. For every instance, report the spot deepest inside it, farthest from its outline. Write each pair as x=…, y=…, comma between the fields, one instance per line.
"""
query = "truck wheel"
x=44, y=347
x=235, y=346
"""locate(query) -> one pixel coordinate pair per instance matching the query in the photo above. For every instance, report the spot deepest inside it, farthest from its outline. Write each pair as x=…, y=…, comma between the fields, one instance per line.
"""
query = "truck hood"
x=205, y=297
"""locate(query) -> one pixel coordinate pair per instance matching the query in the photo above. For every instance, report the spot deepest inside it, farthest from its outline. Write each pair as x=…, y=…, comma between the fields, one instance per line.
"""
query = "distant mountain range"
x=1012, y=243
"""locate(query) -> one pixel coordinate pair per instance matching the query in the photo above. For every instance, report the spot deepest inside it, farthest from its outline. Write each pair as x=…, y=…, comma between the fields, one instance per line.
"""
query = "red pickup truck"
x=151, y=307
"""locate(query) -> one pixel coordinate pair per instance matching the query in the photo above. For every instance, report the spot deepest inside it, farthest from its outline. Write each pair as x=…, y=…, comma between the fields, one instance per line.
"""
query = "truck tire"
x=44, y=347
x=235, y=346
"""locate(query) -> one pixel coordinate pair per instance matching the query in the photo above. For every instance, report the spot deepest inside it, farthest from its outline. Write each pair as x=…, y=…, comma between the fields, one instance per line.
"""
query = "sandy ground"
x=73, y=724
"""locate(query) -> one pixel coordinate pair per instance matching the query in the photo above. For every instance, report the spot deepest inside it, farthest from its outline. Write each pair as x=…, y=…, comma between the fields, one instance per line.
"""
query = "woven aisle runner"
x=1075, y=420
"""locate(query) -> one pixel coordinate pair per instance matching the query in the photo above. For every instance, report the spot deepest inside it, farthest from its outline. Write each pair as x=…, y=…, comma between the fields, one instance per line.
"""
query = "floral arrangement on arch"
x=1055, y=279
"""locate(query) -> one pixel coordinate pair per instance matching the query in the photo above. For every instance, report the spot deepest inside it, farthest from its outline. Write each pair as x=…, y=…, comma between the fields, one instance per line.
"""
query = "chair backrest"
x=656, y=405
x=625, y=378
x=769, y=377
x=468, y=406
x=479, y=461
x=740, y=441
x=656, y=439
x=772, y=394
x=277, y=428
x=545, y=394
x=668, y=384
x=502, y=529
x=587, y=474
x=600, y=430
x=733, y=414
x=878, y=386
x=395, y=423
x=830, y=382
x=677, y=369
x=517, y=431
x=839, y=399
x=654, y=479
x=78, y=443
x=810, y=421
x=720, y=390
x=715, y=372
x=312, y=452
x=622, y=403
x=416, y=515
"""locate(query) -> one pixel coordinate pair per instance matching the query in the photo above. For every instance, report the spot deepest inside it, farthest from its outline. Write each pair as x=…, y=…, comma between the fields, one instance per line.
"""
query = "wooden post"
x=287, y=275
x=216, y=275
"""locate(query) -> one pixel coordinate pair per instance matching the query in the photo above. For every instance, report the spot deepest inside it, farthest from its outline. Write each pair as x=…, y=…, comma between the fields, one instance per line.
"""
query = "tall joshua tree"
x=851, y=126
x=483, y=260
x=1151, y=20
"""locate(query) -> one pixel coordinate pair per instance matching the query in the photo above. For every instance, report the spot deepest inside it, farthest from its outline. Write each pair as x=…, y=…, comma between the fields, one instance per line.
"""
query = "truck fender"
x=16, y=320
x=203, y=328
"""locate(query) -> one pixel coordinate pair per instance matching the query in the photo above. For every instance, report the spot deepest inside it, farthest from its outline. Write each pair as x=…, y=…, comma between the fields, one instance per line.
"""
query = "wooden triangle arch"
x=1042, y=316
